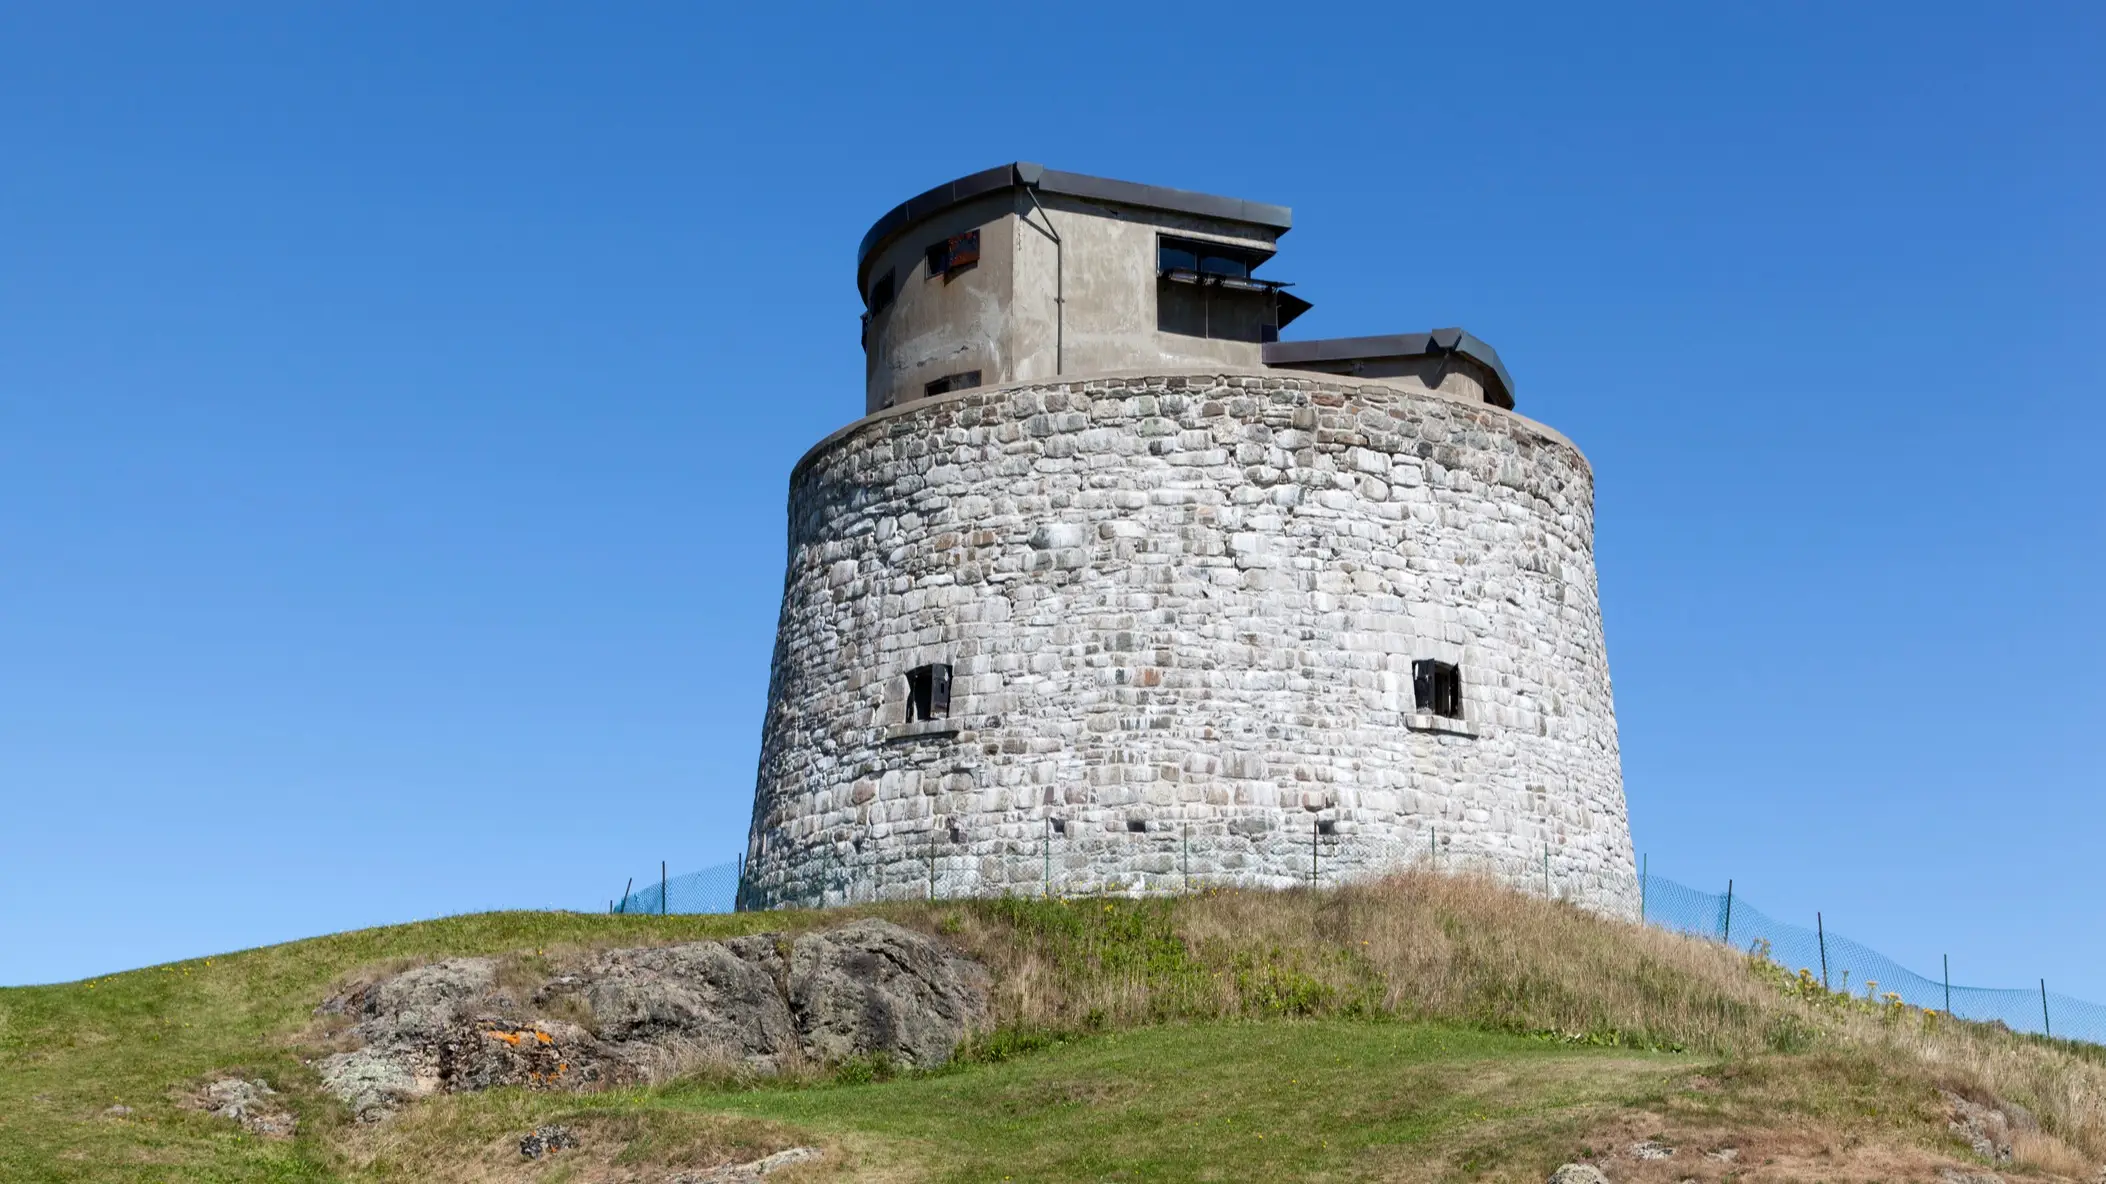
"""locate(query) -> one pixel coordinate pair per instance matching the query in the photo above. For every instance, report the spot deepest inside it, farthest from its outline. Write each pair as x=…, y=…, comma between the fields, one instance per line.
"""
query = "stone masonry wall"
x=1188, y=605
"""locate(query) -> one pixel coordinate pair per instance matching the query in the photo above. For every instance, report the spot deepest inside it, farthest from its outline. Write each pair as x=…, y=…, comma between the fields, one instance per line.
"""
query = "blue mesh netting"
x=1855, y=968
x=711, y=890
x=1848, y=965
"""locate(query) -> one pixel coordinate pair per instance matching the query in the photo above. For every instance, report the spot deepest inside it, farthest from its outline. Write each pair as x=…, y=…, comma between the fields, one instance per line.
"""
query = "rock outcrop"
x=253, y=1104
x=747, y=1173
x=1989, y=1129
x=859, y=991
x=757, y=1004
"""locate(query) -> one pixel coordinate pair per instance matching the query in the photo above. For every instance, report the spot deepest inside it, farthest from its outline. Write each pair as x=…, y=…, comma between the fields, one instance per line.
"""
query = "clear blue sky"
x=397, y=401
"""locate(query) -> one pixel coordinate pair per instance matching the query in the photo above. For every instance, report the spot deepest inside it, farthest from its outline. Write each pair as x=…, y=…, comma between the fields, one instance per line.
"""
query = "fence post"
x=626, y=890
x=665, y=905
x=1312, y=852
x=1821, y=929
x=1188, y=856
x=1948, y=985
x=1045, y=849
x=738, y=893
x=1728, y=939
x=1546, y=872
x=1645, y=871
x=932, y=863
x=2044, y=1011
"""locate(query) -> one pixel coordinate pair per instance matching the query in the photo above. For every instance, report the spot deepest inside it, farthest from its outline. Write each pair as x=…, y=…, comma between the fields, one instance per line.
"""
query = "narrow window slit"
x=962, y=380
x=929, y=692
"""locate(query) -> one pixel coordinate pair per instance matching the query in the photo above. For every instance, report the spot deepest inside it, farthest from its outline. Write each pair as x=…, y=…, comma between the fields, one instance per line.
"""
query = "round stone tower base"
x=1194, y=627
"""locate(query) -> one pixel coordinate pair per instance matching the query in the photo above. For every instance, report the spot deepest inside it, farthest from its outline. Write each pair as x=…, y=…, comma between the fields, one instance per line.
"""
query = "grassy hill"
x=1435, y=1028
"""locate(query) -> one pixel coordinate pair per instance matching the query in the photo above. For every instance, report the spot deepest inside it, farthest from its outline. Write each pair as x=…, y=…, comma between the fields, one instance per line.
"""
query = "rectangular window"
x=952, y=382
x=1205, y=289
x=929, y=692
x=881, y=294
x=1204, y=258
x=1437, y=688
x=954, y=254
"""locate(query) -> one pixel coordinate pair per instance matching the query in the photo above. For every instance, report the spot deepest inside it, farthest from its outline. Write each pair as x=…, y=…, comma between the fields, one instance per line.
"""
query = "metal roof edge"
x=1390, y=345
x=1027, y=174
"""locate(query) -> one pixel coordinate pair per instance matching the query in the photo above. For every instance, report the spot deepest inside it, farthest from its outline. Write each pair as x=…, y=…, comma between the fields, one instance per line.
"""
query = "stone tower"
x=1110, y=573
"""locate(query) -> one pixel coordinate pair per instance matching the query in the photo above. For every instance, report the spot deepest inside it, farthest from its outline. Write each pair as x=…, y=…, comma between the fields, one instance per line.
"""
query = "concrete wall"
x=999, y=316
x=937, y=327
x=1188, y=600
x=1449, y=374
x=1110, y=286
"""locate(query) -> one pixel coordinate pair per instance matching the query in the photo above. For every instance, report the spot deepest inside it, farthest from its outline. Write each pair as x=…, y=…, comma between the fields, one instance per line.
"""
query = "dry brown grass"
x=1825, y=1088
x=1464, y=950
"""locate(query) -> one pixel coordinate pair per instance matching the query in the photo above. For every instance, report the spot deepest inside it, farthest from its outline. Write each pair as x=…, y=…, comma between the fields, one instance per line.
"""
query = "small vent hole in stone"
x=1327, y=827
x=929, y=692
x=1136, y=826
x=1436, y=688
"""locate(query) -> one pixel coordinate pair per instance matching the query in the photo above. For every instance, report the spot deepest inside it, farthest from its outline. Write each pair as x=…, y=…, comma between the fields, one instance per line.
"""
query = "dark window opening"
x=929, y=692
x=1327, y=827
x=1189, y=254
x=1206, y=290
x=1060, y=826
x=881, y=294
x=954, y=254
x=1136, y=825
x=953, y=382
x=1437, y=687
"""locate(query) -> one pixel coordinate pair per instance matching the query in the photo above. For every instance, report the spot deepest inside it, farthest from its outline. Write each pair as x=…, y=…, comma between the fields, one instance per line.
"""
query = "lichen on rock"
x=253, y=1104
x=754, y=1004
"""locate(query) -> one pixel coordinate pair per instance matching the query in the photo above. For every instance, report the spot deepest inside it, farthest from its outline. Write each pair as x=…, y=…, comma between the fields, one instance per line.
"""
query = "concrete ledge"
x=924, y=729
x=1442, y=725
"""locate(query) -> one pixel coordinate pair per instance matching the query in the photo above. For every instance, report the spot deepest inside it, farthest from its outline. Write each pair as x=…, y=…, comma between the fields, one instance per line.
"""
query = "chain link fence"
x=1165, y=862
x=1851, y=967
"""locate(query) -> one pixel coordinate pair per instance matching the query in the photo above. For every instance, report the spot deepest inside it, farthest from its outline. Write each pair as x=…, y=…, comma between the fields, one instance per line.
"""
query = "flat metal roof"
x=1392, y=345
x=1023, y=174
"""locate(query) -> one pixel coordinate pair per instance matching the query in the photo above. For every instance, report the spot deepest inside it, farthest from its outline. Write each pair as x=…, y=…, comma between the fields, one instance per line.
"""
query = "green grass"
x=1427, y=1028
x=143, y=1038
x=1324, y=1099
